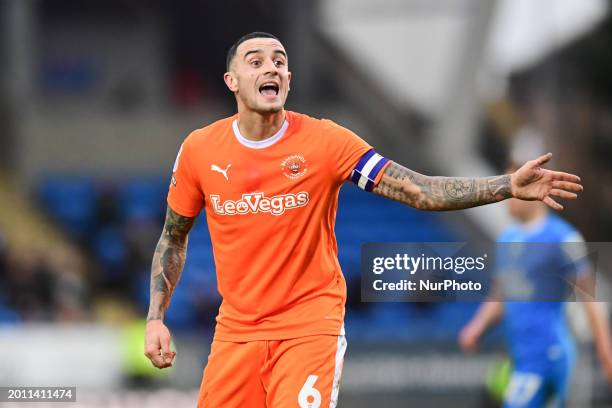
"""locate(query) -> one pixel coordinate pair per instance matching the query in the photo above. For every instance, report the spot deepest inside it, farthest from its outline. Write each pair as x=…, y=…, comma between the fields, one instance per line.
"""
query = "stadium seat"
x=8, y=315
x=142, y=198
x=110, y=249
x=70, y=200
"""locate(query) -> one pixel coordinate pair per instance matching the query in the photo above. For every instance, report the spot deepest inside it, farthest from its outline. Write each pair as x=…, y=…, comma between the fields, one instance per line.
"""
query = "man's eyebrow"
x=283, y=53
x=258, y=50
x=246, y=54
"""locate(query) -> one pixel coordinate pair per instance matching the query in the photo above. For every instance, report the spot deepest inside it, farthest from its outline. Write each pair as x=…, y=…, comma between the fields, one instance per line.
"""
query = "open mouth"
x=269, y=89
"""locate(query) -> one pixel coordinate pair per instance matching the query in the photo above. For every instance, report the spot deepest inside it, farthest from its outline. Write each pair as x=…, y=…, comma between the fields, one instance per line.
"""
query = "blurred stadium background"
x=97, y=96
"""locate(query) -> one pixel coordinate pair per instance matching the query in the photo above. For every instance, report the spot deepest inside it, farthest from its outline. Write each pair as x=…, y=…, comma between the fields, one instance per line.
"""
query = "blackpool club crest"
x=294, y=166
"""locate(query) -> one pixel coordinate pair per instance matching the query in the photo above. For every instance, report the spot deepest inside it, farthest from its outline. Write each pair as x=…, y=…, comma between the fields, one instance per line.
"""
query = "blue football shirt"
x=536, y=275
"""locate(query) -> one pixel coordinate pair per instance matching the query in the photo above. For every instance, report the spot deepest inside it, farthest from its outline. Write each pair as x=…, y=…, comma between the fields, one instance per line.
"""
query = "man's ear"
x=289, y=80
x=230, y=81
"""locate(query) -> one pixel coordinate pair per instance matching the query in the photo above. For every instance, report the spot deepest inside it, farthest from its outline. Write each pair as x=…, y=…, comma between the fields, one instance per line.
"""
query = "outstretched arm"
x=168, y=261
x=597, y=314
x=598, y=319
x=441, y=193
x=489, y=313
x=530, y=182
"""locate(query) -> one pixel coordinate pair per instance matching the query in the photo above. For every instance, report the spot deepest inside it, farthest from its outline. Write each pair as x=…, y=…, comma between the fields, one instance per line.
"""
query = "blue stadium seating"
x=361, y=218
x=70, y=200
x=143, y=198
x=8, y=315
x=110, y=250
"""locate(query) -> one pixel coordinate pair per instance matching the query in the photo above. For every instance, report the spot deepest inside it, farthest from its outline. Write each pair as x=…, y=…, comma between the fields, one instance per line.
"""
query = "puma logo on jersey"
x=218, y=169
x=253, y=203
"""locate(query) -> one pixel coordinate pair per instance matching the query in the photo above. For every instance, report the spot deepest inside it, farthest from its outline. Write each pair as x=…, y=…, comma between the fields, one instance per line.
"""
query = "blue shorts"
x=532, y=387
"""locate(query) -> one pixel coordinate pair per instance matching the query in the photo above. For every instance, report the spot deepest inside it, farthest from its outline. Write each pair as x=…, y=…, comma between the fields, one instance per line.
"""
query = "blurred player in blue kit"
x=539, y=341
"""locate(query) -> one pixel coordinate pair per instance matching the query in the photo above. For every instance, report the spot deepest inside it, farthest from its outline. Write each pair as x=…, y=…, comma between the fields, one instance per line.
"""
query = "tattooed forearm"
x=441, y=193
x=168, y=261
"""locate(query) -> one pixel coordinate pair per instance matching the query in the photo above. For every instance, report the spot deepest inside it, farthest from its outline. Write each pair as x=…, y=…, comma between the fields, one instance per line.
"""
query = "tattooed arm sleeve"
x=441, y=193
x=168, y=261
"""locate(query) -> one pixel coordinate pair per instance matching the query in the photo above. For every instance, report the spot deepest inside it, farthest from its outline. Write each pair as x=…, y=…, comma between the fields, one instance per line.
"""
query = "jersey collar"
x=259, y=144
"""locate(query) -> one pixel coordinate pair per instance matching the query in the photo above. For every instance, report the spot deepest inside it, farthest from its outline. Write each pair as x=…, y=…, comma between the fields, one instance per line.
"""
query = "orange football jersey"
x=271, y=209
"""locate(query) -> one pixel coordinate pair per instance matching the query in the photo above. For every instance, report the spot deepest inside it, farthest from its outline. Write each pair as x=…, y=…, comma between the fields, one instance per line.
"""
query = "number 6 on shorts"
x=309, y=396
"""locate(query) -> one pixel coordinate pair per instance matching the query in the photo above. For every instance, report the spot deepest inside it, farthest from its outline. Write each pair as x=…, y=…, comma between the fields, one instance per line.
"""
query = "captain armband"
x=368, y=169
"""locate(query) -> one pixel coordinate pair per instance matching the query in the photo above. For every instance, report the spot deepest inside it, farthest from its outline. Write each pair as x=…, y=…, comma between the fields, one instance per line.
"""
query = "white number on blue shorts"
x=522, y=388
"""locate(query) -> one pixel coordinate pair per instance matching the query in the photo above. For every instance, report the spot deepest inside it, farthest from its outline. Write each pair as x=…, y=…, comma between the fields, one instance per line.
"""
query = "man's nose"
x=270, y=67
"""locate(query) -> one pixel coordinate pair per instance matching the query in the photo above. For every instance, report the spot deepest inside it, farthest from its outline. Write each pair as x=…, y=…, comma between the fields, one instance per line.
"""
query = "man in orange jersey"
x=268, y=180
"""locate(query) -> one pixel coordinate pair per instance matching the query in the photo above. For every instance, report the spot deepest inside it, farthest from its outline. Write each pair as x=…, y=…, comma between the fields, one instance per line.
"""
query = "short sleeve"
x=346, y=149
x=185, y=196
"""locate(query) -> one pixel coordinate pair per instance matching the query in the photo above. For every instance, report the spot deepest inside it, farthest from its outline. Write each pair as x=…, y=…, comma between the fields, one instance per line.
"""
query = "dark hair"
x=232, y=51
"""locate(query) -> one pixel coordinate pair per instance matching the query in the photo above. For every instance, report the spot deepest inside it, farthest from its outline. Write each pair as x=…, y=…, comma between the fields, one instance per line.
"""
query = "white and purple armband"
x=368, y=168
